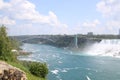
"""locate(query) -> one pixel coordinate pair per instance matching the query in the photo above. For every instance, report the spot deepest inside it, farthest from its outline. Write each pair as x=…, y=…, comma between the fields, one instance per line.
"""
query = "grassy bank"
x=26, y=70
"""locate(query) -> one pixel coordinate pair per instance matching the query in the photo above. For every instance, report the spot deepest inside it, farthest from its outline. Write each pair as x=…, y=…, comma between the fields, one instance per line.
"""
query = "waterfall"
x=107, y=47
x=76, y=41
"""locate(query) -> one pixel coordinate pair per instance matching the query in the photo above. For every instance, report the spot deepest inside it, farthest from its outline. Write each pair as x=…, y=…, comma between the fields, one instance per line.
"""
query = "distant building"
x=90, y=33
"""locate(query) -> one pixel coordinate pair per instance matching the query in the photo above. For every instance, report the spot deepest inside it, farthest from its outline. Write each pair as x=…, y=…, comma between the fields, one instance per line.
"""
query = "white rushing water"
x=107, y=47
x=88, y=78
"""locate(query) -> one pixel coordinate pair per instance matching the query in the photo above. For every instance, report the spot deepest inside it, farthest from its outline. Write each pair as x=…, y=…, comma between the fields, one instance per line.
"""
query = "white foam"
x=105, y=48
x=59, y=62
x=58, y=77
x=55, y=71
x=64, y=70
x=88, y=78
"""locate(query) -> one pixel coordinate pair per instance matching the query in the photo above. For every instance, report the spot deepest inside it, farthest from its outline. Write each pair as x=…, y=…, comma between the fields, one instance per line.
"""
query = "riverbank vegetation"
x=33, y=70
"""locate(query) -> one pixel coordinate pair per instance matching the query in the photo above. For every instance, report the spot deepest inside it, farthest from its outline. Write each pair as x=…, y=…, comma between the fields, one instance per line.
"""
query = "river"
x=66, y=64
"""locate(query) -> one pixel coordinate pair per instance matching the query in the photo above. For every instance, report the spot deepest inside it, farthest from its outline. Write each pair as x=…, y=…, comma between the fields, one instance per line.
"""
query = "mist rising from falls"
x=107, y=47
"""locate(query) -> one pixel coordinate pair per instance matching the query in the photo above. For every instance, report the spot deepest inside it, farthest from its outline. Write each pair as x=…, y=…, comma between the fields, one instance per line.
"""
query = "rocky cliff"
x=8, y=72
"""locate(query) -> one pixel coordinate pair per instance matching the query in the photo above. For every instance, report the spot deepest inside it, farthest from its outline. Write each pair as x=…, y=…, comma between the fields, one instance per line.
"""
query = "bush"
x=38, y=69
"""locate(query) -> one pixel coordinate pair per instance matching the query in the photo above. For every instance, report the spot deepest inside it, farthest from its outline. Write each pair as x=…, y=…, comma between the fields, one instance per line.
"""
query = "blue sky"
x=28, y=17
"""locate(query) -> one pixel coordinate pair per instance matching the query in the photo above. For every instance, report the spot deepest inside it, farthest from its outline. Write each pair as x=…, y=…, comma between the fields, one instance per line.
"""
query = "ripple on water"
x=64, y=70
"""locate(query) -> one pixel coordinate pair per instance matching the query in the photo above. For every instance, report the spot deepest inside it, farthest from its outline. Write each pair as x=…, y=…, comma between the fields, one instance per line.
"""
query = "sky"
x=36, y=17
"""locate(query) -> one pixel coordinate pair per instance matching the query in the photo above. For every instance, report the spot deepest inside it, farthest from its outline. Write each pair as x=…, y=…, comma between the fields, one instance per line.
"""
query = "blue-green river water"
x=70, y=65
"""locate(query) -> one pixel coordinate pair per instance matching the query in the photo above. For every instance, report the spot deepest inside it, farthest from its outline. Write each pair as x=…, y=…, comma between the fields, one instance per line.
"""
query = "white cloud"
x=112, y=25
x=94, y=23
x=25, y=10
x=109, y=7
x=88, y=26
x=30, y=29
x=103, y=8
x=4, y=5
x=110, y=10
x=5, y=20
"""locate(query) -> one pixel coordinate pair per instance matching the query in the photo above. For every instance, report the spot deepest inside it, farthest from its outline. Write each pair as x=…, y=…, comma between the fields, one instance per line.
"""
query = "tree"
x=38, y=69
x=5, y=46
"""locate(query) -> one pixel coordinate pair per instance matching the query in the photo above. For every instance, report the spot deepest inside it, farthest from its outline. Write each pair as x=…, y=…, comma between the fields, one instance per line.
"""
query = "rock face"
x=8, y=72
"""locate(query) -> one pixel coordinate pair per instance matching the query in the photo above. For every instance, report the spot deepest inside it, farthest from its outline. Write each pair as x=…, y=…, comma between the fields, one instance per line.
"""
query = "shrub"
x=38, y=69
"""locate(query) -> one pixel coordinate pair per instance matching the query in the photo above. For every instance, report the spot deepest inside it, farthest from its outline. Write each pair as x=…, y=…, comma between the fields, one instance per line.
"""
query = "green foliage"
x=5, y=46
x=20, y=65
x=6, y=54
x=15, y=44
x=38, y=69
